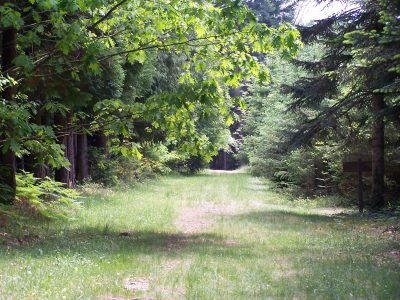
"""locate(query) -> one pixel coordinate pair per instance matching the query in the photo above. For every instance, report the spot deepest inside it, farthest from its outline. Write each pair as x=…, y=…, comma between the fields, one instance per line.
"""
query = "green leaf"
x=24, y=61
x=229, y=120
x=14, y=145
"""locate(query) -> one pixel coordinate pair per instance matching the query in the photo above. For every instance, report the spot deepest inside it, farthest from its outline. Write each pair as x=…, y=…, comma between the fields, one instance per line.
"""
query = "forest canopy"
x=95, y=80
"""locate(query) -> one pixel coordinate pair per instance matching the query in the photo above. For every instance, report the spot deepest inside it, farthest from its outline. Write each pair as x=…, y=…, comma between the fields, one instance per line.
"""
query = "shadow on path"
x=101, y=242
x=283, y=216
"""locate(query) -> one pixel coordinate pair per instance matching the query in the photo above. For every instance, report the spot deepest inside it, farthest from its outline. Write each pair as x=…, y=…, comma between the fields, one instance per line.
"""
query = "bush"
x=102, y=168
x=304, y=171
x=156, y=160
x=131, y=169
x=301, y=165
x=196, y=163
x=184, y=163
x=110, y=171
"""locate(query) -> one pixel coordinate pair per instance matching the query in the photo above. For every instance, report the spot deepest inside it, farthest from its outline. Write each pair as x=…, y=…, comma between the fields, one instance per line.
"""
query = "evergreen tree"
x=359, y=70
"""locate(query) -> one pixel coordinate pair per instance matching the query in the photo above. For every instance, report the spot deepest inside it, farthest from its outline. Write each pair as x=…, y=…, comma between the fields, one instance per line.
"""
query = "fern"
x=45, y=197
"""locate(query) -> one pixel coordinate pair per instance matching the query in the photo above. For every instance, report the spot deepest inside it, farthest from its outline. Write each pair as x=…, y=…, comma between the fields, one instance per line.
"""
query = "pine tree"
x=360, y=69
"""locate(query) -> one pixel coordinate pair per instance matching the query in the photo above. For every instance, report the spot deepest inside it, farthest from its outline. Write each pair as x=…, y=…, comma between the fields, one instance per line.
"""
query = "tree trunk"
x=66, y=175
x=378, y=153
x=7, y=158
x=82, y=163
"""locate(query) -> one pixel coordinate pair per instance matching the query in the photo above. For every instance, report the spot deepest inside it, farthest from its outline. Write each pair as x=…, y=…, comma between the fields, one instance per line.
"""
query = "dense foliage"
x=337, y=101
x=114, y=91
x=91, y=90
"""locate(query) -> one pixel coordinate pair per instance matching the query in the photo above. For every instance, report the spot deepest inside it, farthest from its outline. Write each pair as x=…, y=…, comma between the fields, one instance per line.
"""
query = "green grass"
x=256, y=245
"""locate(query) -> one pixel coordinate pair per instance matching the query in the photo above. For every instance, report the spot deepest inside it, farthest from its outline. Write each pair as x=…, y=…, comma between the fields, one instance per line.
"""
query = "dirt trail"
x=198, y=219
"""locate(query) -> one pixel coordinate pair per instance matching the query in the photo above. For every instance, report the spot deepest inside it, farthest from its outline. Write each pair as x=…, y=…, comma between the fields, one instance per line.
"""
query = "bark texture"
x=67, y=138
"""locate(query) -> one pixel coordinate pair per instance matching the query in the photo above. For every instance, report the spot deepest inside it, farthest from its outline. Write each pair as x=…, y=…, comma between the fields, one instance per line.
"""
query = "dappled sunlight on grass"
x=209, y=236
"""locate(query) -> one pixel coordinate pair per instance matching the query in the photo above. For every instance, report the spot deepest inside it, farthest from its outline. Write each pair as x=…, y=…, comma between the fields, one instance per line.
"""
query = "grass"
x=242, y=241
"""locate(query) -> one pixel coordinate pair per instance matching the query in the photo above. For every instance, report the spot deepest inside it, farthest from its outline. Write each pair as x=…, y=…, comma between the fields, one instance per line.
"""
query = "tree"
x=375, y=49
x=60, y=43
x=269, y=125
x=360, y=66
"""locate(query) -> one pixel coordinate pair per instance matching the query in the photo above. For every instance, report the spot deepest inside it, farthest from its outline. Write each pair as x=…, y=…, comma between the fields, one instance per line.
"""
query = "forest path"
x=215, y=235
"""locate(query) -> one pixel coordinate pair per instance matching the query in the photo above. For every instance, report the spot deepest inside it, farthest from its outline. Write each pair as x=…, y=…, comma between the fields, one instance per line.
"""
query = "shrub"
x=196, y=163
x=110, y=171
x=102, y=169
x=185, y=163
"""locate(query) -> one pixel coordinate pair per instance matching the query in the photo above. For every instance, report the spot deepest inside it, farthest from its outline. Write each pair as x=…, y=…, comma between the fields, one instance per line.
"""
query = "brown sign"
x=353, y=166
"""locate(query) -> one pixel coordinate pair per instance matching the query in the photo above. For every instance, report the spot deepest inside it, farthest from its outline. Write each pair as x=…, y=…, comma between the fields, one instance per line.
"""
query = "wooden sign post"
x=358, y=166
